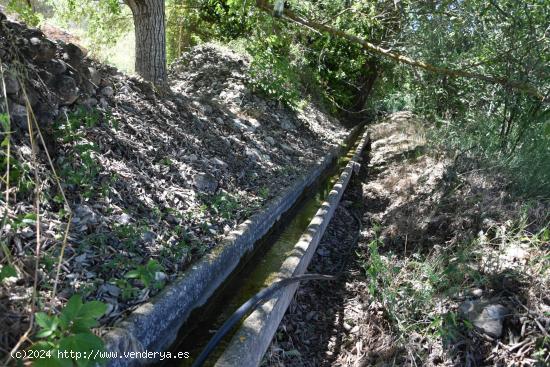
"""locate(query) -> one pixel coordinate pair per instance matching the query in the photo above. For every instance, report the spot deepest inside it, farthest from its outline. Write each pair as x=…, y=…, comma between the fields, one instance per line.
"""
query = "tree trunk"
x=149, y=25
x=366, y=84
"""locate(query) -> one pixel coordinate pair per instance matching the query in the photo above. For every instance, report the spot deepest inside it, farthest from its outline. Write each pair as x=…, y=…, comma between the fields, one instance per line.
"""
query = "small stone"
x=237, y=124
x=205, y=182
x=90, y=102
x=111, y=289
x=287, y=148
x=286, y=124
x=110, y=306
x=67, y=90
x=30, y=96
x=35, y=41
x=45, y=112
x=95, y=76
x=18, y=114
x=477, y=292
x=149, y=237
x=269, y=140
x=207, y=109
x=85, y=215
x=160, y=276
x=219, y=162
x=81, y=258
x=253, y=154
x=73, y=52
x=485, y=316
x=219, y=120
x=42, y=49
x=12, y=85
x=225, y=141
x=254, y=124
x=27, y=233
x=55, y=66
x=124, y=219
x=105, y=82
x=108, y=92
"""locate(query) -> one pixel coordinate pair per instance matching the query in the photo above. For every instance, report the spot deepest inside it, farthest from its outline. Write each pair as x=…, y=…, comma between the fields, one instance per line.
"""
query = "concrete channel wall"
x=154, y=326
x=249, y=344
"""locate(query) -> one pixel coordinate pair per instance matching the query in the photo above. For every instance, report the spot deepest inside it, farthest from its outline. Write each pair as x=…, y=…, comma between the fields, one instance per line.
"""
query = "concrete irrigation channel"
x=274, y=244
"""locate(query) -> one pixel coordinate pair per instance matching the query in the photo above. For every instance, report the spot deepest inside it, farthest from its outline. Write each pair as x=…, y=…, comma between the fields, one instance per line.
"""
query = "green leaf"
x=94, y=309
x=82, y=342
x=43, y=333
x=43, y=345
x=48, y=323
x=5, y=121
x=7, y=271
x=132, y=274
x=153, y=265
x=30, y=216
x=42, y=319
x=71, y=310
x=83, y=324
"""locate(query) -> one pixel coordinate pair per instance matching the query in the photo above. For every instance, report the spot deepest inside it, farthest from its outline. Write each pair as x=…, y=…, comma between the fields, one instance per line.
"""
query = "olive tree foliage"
x=25, y=10
x=504, y=38
x=289, y=60
x=105, y=21
x=376, y=29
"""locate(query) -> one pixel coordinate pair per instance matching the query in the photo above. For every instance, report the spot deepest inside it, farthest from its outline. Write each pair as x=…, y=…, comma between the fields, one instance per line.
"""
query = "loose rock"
x=488, y=317
x=67, y=90
x=205, y=182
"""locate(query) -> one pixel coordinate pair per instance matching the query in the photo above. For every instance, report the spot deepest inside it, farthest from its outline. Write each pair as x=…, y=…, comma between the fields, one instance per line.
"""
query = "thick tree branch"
x=455, y=73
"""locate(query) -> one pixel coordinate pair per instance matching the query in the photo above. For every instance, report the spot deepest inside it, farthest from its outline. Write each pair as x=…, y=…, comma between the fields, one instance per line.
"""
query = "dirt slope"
x=145, y=177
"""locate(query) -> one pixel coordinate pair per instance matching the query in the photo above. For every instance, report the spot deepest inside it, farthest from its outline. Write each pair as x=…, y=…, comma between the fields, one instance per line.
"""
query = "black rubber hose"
x=252, y=303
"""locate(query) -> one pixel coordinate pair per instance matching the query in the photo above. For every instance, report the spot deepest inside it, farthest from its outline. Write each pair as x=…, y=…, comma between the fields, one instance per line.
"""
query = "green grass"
x=419, y=292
